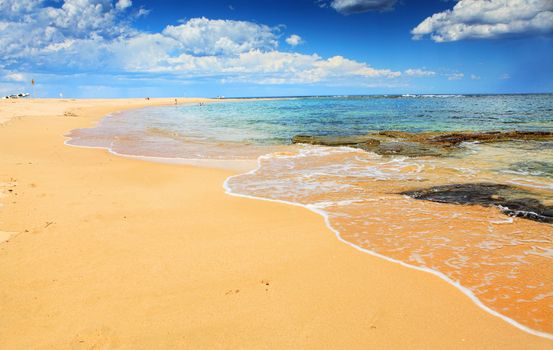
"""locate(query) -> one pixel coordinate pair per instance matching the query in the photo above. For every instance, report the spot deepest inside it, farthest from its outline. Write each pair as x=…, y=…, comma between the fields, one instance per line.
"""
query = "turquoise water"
x=503, y=263
x=278, y=121
x=266, y=122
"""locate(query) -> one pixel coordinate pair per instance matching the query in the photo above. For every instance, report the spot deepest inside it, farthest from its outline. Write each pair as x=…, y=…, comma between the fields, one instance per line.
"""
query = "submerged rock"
x=357, y=141
x=381, y=143
x=533, y=168
x=453, y=139
x=511, y=200
x=410, y=149
x=378, y=143
x=419, y=144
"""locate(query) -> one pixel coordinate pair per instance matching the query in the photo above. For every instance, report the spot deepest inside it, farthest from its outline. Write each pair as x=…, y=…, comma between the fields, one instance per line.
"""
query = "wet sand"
x=504, y=262
x=110, y=252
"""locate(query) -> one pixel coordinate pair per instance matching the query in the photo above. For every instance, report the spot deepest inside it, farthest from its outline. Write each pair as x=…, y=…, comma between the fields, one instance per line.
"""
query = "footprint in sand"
x=5, y=236
x=102, y=338
x=7, y=188
x=266, y=283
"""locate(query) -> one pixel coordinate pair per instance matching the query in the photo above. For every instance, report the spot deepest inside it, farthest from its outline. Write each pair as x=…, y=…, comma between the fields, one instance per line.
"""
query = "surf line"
x=325, y=216
x=464, y=290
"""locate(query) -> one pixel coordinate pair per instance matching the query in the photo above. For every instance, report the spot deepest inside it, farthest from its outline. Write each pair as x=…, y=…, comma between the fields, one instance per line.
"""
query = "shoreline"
x=359, y=266
x=251, y=166
x=436, y=273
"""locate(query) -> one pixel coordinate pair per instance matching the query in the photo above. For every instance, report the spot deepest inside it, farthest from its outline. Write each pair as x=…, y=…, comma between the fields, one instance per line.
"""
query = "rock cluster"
x=419, y=144
x=511, y=200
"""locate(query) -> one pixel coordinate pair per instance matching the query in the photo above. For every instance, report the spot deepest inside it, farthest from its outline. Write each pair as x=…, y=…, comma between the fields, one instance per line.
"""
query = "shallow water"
x=503, y=261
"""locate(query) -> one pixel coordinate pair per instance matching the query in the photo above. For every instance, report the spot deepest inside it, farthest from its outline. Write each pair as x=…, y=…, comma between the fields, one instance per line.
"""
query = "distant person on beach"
x=175, y=101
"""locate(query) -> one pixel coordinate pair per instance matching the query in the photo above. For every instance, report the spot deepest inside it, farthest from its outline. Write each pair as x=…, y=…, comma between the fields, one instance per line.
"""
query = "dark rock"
x=397, y=134
x=453, y=139
x=335, y=140
x=419, y=144
x=384, y=146
x=410, y=149
x=511, y=200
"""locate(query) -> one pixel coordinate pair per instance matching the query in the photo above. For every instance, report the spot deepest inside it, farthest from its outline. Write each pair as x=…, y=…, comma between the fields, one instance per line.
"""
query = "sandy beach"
x=104, y=252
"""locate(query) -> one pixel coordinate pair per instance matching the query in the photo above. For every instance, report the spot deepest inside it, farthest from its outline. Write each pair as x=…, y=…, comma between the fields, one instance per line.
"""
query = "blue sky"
x=137, y=48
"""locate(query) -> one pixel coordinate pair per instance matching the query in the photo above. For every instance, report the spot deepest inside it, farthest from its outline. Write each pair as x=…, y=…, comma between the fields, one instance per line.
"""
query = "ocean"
x=393, y=176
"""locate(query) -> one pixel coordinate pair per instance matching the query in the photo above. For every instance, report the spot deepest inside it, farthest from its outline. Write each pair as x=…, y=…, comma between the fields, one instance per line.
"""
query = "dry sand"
x=111, y=252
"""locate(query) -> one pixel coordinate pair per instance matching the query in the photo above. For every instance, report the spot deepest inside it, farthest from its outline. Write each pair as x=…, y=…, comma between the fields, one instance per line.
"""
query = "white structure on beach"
x=19, y=95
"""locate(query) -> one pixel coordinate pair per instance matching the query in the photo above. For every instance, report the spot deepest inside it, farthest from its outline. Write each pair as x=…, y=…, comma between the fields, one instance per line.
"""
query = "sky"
x=239, y=48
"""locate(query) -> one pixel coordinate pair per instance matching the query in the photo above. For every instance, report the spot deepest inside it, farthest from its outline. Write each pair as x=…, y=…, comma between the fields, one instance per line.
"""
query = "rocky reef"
x=420, y=144
x=511, y=200
x=453, y=139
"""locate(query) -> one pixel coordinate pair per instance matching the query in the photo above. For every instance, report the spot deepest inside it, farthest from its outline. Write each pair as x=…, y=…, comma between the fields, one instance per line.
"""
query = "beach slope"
x=101, y=252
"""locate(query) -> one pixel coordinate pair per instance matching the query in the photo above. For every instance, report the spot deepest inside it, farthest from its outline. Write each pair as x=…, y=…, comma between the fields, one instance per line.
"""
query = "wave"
x=358, y=194
x=337, y=212
x=319, y=208
x=393, y=169
x=432, y=96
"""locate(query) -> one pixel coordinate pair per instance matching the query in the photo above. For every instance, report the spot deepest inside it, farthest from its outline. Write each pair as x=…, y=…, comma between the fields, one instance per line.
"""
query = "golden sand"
x=504, y=262
x=112, y=252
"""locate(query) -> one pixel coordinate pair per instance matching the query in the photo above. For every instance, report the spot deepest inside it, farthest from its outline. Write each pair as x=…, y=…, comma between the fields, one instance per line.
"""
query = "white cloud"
x=505, y=76
x=455, y=76
x=142, y=12
x=12, y=9
x=321, y=3
x=417, y=72
x=123, y=4
x=474, y=77
x=485, y=19
x=28, y=29
x=348, y=7
x=95, y=36
x=265, y=67
x=15, y=77
x=294, y=40
x=83, y=18
x=202, y=36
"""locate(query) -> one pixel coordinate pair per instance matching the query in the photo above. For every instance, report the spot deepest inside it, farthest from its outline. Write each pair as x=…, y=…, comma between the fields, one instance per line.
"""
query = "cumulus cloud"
x=487, y=19
x=13, y=9
x=417, y=72
x=123, y=4
x=261, y=67
x=83, y=18
x=294, y=40
x=348, y=7
x=157, y=55
x=29, y=29
x=96, y=36
x=202, y=36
